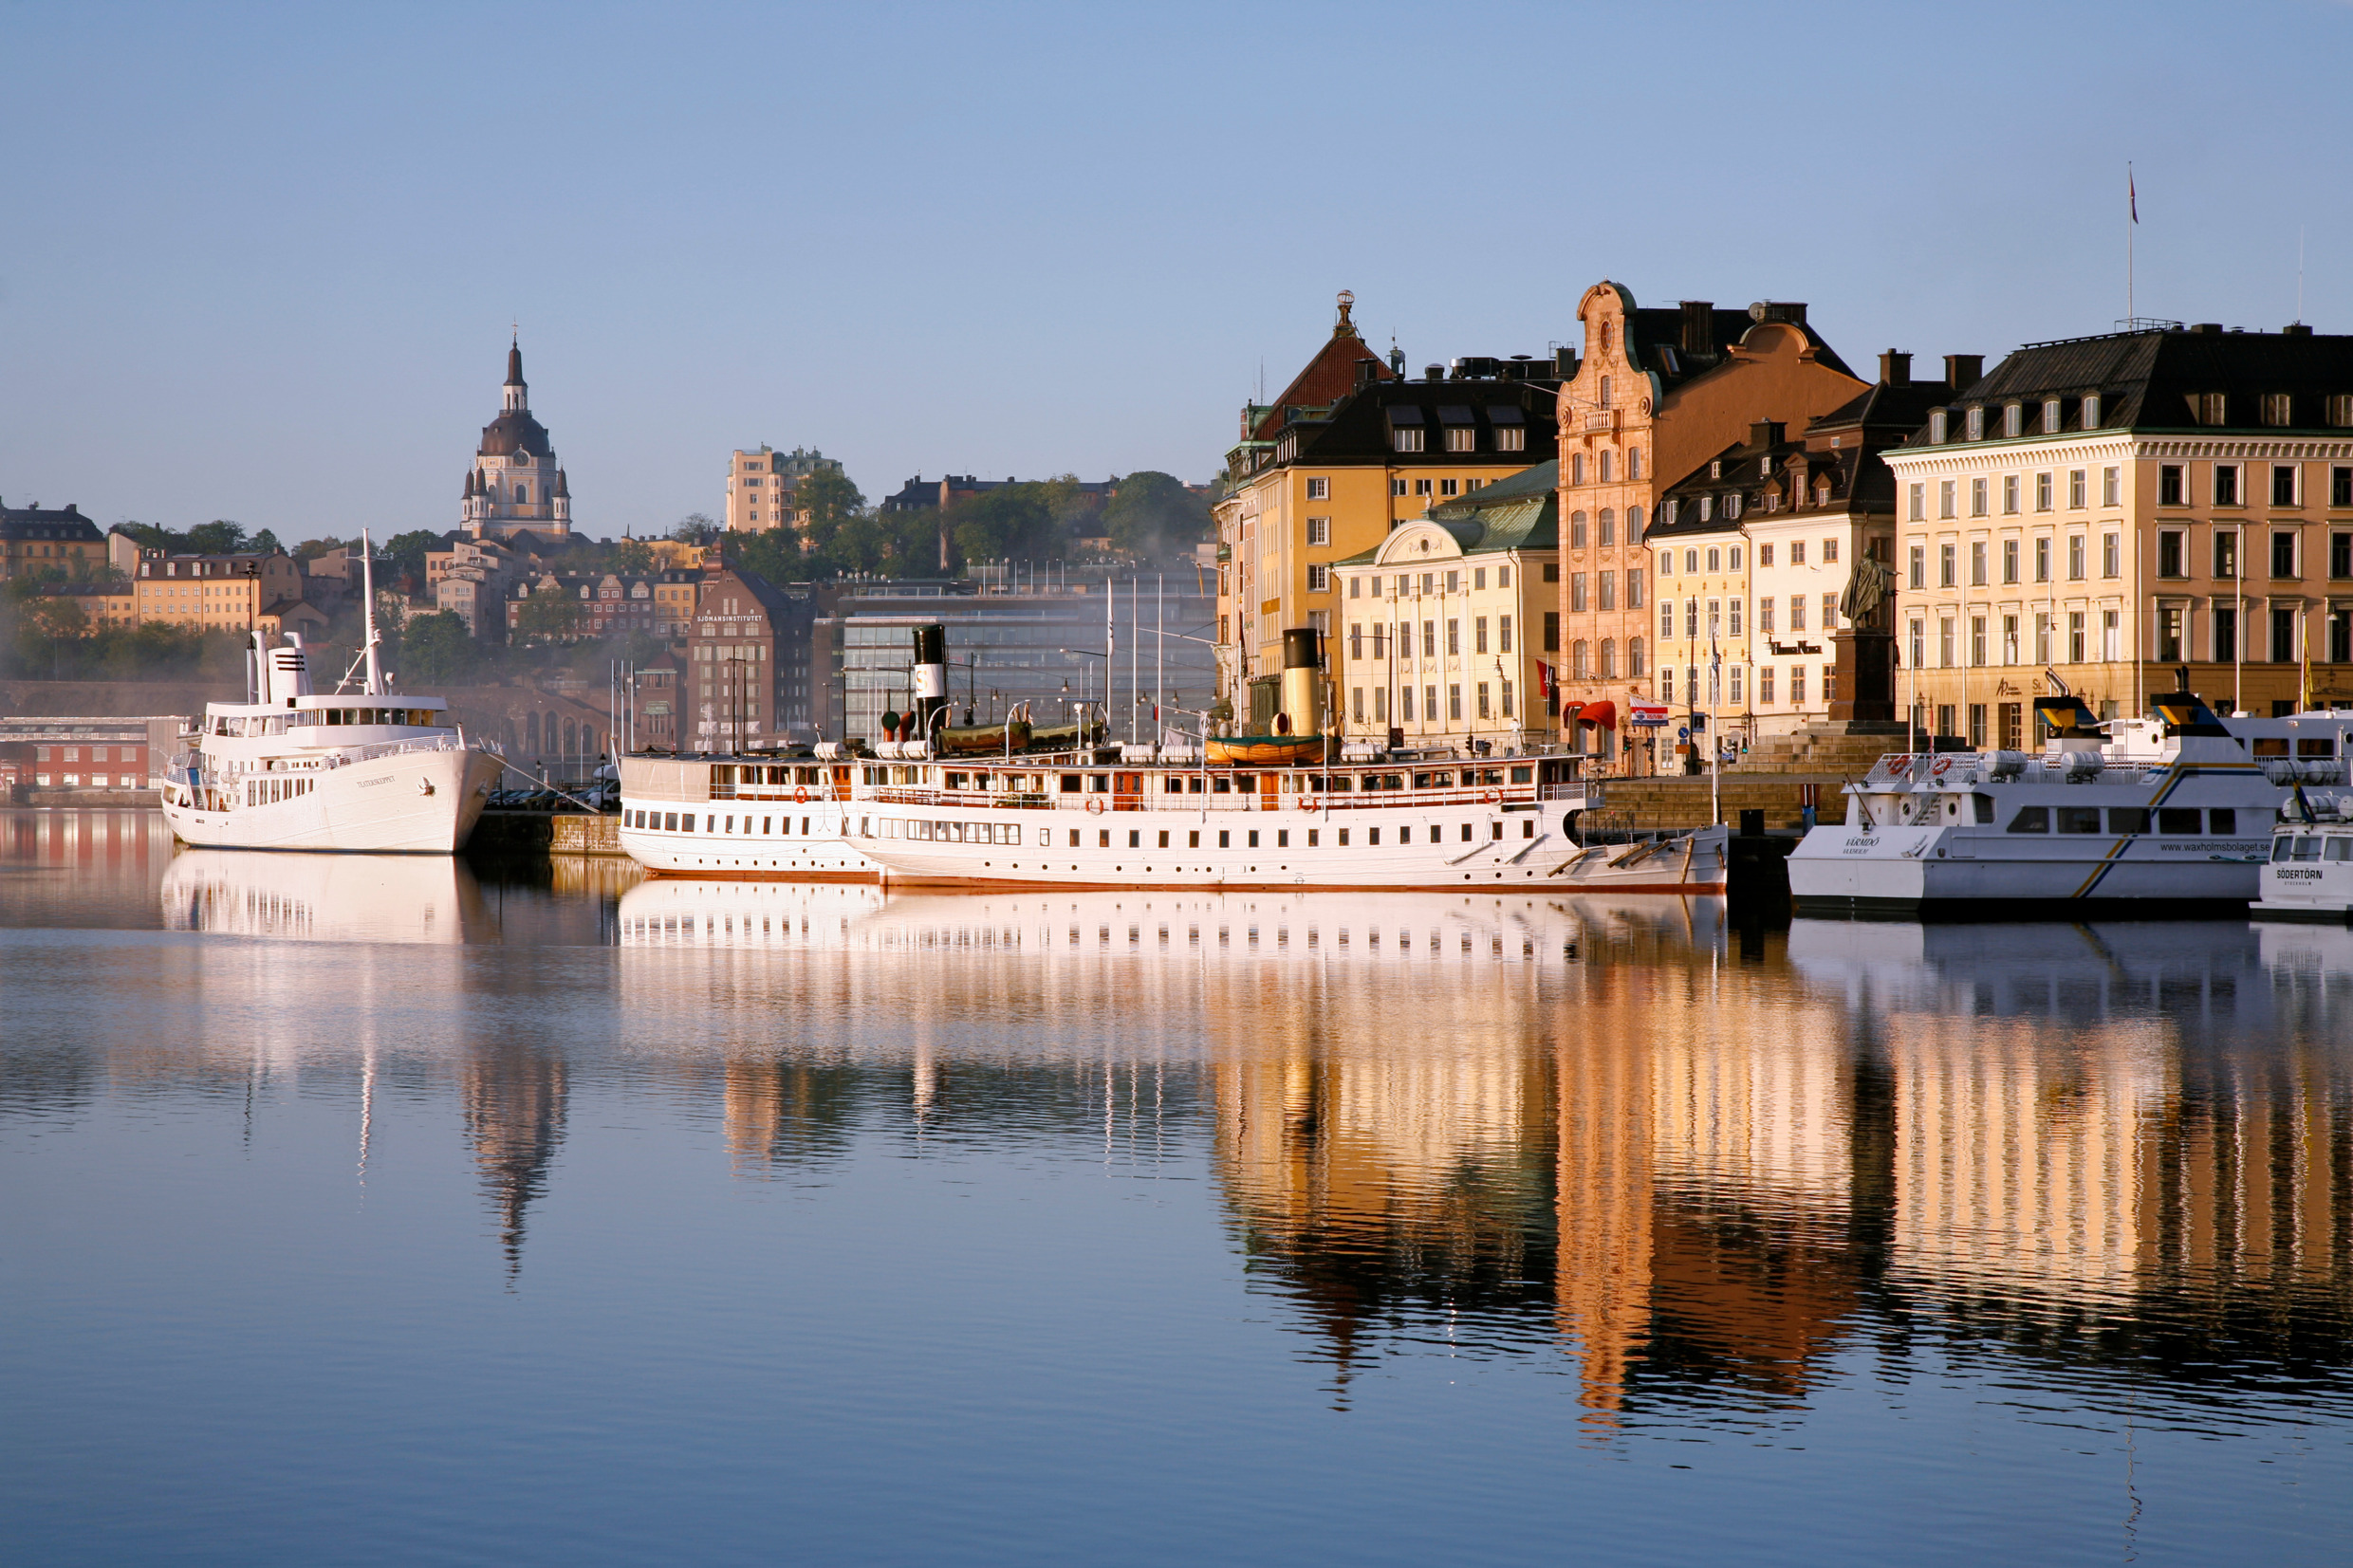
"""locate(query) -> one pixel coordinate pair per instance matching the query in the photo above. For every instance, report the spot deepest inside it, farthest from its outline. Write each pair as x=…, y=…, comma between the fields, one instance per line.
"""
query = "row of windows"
x=1948, y=560
x=2217, y=822
x=2173, y=553
x=1583, y=667
x=1381, y=633
x=1948, y=491
x=1723, y=616
x=1482, y=696
x=2290, y=638
x=2286, y=484
x=2081, y=640
x=1716, y=556
x=1605, y=528
x=1605, y=463
x=1460, y=438
x=2048, y=419
x=1797, y=553
x=1431, y=584
x=1729, y=683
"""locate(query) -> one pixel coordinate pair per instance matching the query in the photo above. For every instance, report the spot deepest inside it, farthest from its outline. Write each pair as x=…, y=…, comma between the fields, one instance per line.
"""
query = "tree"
x=632, y=556
x=551, y=613
x=219, y=537
x=1153, y=514
x=695, y=529
x=827, y=499
x=773, y=553
x=437, y=649
x=265, y=543
x=314, y=550
x=1012, y=521
x=405, y=552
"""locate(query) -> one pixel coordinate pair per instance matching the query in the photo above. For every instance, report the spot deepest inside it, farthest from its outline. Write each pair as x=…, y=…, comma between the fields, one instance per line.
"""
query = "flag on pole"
x=1543, y=676
x=2132, y=198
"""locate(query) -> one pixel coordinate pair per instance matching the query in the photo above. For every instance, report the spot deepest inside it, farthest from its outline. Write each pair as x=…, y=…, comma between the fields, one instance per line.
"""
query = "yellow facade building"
x=214, y=593
x=1351, y=449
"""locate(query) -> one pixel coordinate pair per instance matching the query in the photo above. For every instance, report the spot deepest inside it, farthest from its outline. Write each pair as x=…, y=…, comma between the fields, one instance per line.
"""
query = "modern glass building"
x=1045, y=648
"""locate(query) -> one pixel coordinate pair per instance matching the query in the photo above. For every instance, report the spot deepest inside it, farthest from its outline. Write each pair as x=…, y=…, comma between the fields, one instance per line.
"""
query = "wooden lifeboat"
x=1265, y=751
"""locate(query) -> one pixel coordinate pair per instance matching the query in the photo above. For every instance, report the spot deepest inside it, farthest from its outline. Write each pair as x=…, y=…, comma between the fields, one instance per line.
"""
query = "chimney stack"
x=1894, y=369
x=1963, y=370
x=1698, y=324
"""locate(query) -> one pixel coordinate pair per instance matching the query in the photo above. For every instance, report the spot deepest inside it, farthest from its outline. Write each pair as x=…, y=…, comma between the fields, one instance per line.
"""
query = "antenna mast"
x=367, y=589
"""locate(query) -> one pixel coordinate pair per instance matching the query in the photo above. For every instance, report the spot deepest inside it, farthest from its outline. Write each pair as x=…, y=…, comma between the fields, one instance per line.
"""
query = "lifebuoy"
x=1310, y=803
x=802, y=794
x=1491, y=797
x=1094, y=805
x=1936, y=770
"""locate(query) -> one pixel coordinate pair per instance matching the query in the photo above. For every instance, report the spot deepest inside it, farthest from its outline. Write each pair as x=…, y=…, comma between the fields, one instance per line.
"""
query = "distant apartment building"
x=763, y=486
x=470, y=580
x=1350, y=450
x=105, y=604
x=515, y=485
x=222, y=593
x=2113, y=508
x=34, y=538
x=1657, y=393
x=84, y=753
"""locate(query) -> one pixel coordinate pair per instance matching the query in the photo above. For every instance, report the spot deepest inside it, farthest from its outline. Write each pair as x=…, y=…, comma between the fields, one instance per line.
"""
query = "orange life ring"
x=802, y=794
x=1310, y=803
x=1938, y=768
x=1491, y=797
x=1095, y=805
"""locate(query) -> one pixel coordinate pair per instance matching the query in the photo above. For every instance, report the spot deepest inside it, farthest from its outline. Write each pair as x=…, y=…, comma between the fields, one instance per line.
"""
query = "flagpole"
x=2132, y=218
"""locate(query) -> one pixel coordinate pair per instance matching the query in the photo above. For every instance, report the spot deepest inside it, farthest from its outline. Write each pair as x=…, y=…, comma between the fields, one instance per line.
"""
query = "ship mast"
x=375, y=687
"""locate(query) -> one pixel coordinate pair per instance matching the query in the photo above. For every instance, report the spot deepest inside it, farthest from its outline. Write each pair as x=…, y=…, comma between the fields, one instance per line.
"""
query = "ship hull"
x=1913, y=874
x=768, y=840
x=411, y=803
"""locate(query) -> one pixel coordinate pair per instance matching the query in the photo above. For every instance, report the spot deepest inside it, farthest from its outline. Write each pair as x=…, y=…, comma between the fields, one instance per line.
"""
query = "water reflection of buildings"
x=1708, y=1168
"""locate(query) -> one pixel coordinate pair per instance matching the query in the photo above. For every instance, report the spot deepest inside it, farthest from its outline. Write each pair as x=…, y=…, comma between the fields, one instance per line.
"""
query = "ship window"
x=2321, y=747
x=2078, y=818
x=1193, y=840
x=1135, y=840
x=2308, y=846
x=1163, y=838
x=1315, y=837
x=1098, y=782
x=1253, y=838
x=2128, y=819
x=2032, y=819
x=2339, y=849
x=1985, y=807
x=669, y=821
x=2177, y=819
x=1406, y=835
x=1193, y=784
x=1225, y=840
x=2223, y=820
x=1343, y=837
x=1221, y=785
x=1070, y=784
x=1372, y=836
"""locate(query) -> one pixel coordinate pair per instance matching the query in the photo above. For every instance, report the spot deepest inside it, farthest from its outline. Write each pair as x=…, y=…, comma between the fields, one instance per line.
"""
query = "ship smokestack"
x=1302, y=680
x=930, y=681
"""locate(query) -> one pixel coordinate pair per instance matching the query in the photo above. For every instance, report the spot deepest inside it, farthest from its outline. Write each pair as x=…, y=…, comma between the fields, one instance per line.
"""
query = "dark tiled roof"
x=2146, y=381
x=1360, y=427
x=1330, y=376
x=513, y=432
x=49, y=523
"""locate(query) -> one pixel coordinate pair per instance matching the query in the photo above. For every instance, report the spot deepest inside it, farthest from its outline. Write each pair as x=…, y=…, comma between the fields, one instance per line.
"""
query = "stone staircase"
x=1817, y=753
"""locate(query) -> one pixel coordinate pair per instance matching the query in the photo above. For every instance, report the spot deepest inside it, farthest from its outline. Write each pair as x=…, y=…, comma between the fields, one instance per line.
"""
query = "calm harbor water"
x=384, y=1213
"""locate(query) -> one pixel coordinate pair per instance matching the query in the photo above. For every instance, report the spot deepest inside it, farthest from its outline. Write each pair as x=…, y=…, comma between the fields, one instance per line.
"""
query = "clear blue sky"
x=259, y=262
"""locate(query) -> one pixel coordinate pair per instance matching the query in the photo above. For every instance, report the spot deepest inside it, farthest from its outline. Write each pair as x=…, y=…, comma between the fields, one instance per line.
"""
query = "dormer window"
x=1732, y=506
x=1715, y=468
x=2050, y=416
x=1821, y=493
x=2277, y=406
x=1707, y=508
x=1973, y=424
x=2014, y=420
x=2210, y=408
x=2092, y=411
x=1937, y=426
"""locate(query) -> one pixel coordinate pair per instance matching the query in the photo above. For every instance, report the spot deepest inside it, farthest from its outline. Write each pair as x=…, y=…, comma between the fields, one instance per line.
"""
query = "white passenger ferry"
x=741, y=816
x=2135, y=818
x=352, y=771
x=2309, y=876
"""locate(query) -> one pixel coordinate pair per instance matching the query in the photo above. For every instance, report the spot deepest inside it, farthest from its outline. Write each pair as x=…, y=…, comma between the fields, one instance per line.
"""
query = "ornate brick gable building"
x=1657, y=393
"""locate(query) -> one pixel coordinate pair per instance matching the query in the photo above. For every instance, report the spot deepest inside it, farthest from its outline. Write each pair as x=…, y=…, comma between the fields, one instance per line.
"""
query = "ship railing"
x=398, y=748
x=1098, y=800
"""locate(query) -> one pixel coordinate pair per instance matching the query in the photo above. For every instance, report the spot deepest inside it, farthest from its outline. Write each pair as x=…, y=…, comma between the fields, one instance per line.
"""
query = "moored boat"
x=2309, y=874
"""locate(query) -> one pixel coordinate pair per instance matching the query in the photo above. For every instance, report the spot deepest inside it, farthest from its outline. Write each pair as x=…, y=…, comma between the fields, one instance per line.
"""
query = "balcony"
x=1601, y=419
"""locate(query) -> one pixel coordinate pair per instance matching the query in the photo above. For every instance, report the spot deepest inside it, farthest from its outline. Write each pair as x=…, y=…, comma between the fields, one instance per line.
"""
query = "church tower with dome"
x=514, y=485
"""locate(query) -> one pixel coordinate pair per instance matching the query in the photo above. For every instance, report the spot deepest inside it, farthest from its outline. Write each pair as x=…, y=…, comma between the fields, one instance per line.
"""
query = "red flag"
x=1543, y=676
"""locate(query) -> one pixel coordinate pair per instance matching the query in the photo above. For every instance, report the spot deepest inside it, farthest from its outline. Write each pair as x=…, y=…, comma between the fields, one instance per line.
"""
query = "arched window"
x=1576, y=468
x=1634, y=658
x=1576, y=530
x=531, y=731
x=571, y=738
x=523, y=493
x=1634, y=525
x=1606, y=464
x=1609, y=658
x=1606, y=392
x=1577, y=665
x=1608, y=530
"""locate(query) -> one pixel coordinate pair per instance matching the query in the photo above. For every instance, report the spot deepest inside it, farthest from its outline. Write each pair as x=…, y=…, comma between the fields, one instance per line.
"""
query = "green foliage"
x=405, y=553
x=265, y=541
x=437, y=649
x=882, y=545
x=551, y=615
x=1016, y=520
x=633, y=557
x=219, y=537
x=1154, y=515
x=830, y=500
x=312, y=550
x=695, y=529
x=775, y=554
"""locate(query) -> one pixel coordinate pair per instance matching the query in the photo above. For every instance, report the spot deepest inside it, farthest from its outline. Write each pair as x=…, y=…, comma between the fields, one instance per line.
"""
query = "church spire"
x=518, y=396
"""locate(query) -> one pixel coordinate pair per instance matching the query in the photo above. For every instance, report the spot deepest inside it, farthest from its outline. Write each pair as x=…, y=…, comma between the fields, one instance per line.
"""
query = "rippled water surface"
x=383, y=1212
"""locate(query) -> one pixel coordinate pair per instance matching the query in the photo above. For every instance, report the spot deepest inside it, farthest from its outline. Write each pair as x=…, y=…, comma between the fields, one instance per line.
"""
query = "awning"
x=1602, y=713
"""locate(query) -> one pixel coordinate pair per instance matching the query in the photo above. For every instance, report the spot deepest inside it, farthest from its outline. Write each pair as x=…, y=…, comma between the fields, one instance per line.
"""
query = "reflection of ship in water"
x=322, y=897
x=513, y=1098
x=2061, y=1137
